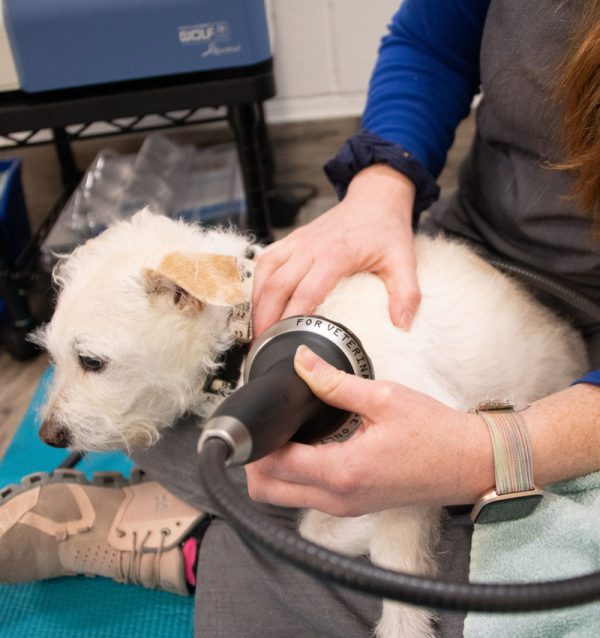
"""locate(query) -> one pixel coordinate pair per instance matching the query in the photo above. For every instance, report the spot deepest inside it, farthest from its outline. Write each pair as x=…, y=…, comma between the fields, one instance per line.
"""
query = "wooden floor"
x=300, y=150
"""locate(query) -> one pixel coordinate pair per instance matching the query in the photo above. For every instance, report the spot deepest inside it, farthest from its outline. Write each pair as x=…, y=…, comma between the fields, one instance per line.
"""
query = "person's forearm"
x=565, y=434
x=564, y=429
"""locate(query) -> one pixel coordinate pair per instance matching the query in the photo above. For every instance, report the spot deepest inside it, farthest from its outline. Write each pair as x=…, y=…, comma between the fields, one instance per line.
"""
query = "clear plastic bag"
x=216, y=200
x=199, y=185
x=91, y=208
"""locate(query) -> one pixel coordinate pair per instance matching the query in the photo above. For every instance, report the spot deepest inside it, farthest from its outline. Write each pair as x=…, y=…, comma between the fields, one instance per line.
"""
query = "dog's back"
x=478, y=333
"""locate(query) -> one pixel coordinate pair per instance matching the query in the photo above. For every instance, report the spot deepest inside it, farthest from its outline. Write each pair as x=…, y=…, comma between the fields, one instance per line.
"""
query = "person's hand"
x=368, y=231
x=409, y=449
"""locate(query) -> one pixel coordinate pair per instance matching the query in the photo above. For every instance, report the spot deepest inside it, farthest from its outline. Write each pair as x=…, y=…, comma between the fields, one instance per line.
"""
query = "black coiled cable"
x=538, y=281
x=377, y=581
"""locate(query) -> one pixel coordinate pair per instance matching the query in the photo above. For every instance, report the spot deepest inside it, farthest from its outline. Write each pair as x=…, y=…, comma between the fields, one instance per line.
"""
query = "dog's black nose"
x=54, y=434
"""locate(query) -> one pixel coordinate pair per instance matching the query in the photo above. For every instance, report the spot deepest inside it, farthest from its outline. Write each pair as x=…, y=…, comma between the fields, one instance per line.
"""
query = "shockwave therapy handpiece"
x=274, y=405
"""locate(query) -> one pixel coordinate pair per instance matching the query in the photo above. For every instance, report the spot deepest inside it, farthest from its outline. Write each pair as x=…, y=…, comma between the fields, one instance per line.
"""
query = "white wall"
x=8, y=74
x=324, y=54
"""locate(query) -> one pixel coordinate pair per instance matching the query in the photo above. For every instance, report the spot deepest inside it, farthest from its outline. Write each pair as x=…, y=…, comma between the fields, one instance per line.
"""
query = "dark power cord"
x=369, y=579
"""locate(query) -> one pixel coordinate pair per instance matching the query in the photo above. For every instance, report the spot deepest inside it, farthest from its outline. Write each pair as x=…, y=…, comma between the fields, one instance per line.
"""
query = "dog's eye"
x=92, y=364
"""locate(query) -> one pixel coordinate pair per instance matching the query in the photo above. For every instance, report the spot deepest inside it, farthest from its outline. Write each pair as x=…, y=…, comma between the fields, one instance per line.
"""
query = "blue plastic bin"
x=14, y=222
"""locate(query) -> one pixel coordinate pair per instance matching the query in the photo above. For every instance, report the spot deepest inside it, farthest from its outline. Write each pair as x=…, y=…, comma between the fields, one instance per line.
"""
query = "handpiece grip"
x=275, y=405
x=271, y=408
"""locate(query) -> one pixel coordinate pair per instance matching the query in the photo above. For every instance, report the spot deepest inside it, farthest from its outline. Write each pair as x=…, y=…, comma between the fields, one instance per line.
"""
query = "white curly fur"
x=477, y=335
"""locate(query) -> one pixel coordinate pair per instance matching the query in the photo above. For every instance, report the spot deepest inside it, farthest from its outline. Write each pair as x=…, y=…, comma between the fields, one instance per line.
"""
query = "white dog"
x=133, y=345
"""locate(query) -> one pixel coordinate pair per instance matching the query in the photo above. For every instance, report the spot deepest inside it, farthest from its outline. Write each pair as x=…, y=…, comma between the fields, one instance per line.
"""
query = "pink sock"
x=190, y=553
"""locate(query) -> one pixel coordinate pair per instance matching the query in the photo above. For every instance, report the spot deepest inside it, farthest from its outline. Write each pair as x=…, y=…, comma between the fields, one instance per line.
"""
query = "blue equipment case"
x=74, y=43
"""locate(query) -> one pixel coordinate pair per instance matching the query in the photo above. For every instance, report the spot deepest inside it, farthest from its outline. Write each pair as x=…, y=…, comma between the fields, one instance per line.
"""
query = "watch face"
x=508, y=509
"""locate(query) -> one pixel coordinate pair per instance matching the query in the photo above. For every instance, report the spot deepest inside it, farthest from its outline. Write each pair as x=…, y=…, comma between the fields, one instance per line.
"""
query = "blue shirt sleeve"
x=426, y=76
x=591, y=377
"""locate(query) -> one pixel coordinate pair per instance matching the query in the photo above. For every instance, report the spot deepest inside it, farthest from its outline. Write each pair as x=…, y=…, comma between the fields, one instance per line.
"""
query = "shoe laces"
x=133, y=572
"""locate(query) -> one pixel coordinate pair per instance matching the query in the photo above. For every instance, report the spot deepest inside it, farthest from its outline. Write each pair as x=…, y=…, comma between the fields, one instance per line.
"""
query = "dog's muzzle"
x=54, y=434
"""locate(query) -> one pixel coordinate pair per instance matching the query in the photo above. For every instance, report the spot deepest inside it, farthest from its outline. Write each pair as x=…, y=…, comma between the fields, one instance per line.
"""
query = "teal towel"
x=79, y=607
x=561, y=539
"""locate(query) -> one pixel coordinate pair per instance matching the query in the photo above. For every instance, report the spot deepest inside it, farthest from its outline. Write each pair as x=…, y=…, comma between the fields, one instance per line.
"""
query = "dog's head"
x=141, y=317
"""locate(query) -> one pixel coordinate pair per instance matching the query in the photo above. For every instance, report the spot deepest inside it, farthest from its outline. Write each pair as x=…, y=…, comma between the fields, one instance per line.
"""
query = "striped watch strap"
x=511, y=447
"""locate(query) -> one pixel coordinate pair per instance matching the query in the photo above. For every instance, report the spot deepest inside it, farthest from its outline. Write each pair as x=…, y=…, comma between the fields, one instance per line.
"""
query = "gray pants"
x=243, y=592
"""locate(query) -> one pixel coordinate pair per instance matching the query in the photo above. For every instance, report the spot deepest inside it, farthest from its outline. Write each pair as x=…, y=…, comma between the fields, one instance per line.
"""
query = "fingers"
x=290, y=283
x=311, y=291
x=295, y=275
x=268, y=262
x=299, y=463
x=305, y=476
x=278, y=278
x=334, y=387
x=405, y=297
x=263, y=488
x=400, y=277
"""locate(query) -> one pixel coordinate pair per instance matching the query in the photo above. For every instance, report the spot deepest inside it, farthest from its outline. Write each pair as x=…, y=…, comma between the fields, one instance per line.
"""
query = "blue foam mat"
x=77, y=606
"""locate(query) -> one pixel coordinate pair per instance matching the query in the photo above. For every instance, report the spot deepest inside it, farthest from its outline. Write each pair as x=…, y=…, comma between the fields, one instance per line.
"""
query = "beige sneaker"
x=60, y=524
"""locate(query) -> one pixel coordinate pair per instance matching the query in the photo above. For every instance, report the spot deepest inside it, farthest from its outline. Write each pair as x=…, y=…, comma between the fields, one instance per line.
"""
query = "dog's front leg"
x=404, y=539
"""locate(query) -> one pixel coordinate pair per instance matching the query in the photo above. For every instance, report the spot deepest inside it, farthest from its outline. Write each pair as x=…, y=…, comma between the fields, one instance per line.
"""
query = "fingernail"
x=406, y=320
x=306, y=358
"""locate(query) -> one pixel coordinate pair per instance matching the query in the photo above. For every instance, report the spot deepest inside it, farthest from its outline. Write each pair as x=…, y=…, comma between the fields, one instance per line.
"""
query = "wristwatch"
x=515, y=494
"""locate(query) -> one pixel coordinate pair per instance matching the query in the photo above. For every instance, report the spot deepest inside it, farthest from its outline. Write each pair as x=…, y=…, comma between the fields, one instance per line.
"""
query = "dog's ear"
x=197, y=279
